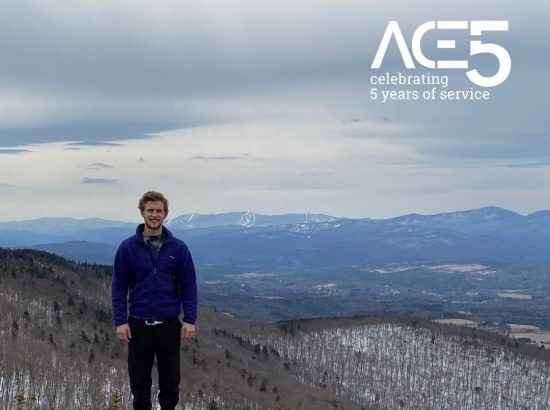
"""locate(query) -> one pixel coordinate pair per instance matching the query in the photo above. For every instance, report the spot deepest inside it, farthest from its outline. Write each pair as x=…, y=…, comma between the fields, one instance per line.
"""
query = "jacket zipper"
x=153, y=259
x=155, y=263
x=154, y=272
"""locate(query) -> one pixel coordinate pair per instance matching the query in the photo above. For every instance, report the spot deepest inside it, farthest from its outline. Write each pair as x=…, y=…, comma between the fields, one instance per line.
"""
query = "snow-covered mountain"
x=458, y=219
x=489, y=233
x=244, y=218
x=491, y=220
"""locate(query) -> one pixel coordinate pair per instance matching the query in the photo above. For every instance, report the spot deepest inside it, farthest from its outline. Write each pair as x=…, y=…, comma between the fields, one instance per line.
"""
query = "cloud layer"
x=262, y=106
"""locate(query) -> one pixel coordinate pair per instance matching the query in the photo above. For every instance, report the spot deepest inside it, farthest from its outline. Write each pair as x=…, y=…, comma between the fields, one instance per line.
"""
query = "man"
x=153, y=279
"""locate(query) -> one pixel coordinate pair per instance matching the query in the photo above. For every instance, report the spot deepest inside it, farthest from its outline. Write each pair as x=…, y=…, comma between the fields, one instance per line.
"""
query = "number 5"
x=478, y=47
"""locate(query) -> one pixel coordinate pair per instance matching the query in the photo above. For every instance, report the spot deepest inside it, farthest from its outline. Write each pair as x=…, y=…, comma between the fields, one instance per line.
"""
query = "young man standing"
x=153, y=280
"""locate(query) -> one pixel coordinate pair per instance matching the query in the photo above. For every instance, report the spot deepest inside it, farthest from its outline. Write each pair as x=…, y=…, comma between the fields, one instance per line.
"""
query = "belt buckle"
x=150, y=322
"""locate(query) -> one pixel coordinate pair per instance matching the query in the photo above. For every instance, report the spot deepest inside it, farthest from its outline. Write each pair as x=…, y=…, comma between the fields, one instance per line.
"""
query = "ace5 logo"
x=476, y=47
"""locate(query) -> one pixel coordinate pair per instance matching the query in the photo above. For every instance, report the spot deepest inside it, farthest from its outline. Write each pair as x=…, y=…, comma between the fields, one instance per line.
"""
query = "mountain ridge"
x=489, y=233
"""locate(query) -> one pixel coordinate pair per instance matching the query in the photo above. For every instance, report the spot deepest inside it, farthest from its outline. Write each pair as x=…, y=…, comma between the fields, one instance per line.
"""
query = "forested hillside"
x=57, y=342
x=414, y=365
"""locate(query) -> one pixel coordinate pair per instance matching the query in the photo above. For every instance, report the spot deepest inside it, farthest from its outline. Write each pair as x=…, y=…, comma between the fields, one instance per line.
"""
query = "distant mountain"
x=461, y=220
x=58, y=230
x=532, y=229
x=62, y=226
x=82, y=251
x=349, y=243
x=13, y=238
x=308, y=240
x=51, y=230
x=245, y=219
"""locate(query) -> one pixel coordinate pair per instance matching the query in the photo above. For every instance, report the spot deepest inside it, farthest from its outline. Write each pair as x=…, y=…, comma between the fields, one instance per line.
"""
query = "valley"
x=490, y=294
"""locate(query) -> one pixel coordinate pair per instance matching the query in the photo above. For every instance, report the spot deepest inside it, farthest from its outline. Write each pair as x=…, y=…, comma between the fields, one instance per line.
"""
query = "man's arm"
x=187, y=281
x=119, y=295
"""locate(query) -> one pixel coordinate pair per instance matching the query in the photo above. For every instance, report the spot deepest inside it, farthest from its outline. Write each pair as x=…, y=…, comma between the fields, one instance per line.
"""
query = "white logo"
x=476, y=47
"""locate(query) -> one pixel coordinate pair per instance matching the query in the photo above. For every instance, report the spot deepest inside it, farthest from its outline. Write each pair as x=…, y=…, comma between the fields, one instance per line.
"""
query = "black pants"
x=164, y=341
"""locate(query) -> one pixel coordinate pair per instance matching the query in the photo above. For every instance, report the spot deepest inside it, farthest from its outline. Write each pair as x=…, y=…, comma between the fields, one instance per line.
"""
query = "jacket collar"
x=168, y=236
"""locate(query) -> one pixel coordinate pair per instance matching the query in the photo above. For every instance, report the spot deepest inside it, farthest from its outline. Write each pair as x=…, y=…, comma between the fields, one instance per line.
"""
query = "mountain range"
x=306, y=240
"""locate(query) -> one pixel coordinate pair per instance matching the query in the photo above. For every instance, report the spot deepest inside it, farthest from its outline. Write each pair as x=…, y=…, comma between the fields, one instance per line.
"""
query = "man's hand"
x=123, y=332
x=187, y=331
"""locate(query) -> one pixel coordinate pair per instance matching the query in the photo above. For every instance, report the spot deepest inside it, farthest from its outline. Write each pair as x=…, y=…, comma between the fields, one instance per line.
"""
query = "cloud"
x=315, y=174
x=13, y=151
x=271, y=59
x=99, y=165
x=540, y=164
x=87, y=74
x=80, y=118
x=300, y=186
x=94, y=144
x=217, y=158
x=87, y=180
x=465, y=142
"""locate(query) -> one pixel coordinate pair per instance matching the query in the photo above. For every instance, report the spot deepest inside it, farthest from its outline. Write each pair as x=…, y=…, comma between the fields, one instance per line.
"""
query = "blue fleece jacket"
x=153, y=290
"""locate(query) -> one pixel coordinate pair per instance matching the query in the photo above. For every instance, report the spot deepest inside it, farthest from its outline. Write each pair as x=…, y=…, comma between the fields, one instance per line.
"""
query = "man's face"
x=153, y=214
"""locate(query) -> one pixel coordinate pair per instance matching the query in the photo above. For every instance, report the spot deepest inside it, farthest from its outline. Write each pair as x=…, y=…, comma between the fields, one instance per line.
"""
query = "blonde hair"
x=151, y=196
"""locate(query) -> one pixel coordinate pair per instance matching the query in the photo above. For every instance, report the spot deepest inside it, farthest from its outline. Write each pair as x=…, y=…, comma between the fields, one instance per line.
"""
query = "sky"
x=265, y=107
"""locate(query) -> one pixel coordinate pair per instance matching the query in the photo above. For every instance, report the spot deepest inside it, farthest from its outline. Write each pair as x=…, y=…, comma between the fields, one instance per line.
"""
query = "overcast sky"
x=262, y=106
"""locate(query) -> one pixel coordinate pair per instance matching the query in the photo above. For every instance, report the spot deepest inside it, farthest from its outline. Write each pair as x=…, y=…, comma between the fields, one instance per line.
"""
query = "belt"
x=150, y=322
x=153, y=322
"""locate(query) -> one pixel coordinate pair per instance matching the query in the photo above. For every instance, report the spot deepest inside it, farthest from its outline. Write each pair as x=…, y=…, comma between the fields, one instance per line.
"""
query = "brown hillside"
x=58, y=343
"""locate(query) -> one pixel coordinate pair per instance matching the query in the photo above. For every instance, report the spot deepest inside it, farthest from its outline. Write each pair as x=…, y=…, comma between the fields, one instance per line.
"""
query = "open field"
x=517, y=328
x=541, y=339
x=511, y=295
x=458, y=322
x=517, y=331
